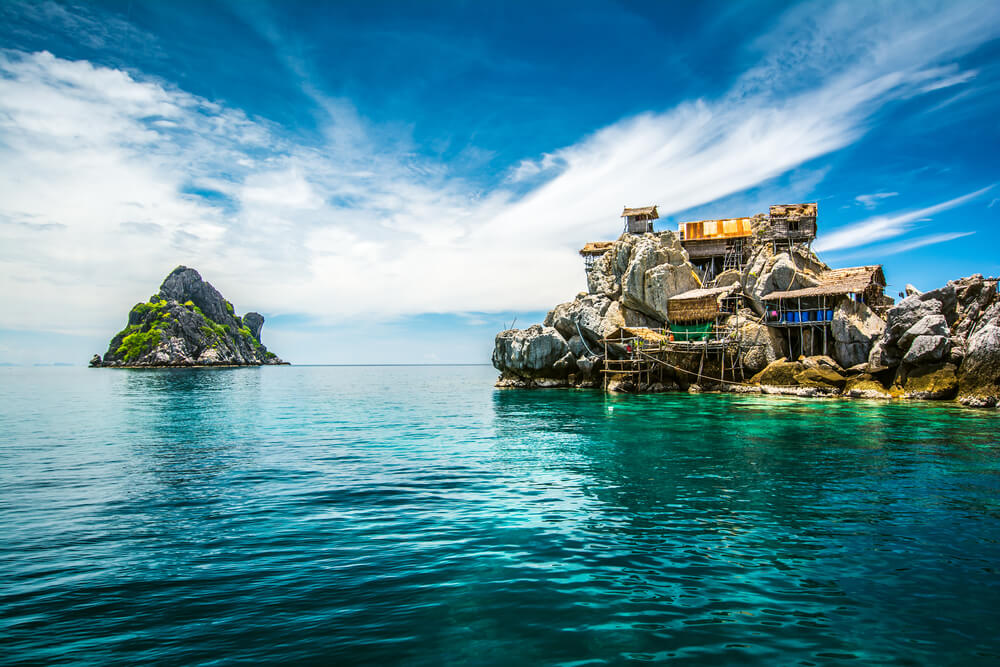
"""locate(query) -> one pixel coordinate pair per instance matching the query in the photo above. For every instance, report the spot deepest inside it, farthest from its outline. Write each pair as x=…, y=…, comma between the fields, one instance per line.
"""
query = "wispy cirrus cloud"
x=870, y=201
x=142, y=175
x=882, y=227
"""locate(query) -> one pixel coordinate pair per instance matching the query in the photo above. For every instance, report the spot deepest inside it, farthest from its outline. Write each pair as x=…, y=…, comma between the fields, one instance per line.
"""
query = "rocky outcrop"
x=937, y=382
x=939, y=344
x=979, y=376
x=187, y=323
x=592, y=316
x=536, y=356
x=636, y=267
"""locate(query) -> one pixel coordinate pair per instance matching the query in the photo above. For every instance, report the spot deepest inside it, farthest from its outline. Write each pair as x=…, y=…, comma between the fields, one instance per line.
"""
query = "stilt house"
x=792, y=223
x=593, y=251
x=806, y=315
x=698, y=314
x=716, y=245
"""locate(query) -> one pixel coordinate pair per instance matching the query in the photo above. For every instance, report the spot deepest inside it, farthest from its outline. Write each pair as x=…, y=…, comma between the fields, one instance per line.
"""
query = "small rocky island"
x=745, y=305
x=187, y=323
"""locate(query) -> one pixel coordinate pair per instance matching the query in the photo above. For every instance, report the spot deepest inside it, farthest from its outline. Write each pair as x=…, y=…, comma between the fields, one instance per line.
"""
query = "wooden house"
x=639, y=220
x=716, y=245
x=792, y=223
x=811, y=308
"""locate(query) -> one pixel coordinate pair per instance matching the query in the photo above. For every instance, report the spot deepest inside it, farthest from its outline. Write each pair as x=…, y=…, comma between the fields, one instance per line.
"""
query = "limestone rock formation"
x=187, y=323
x=855, y=327
x=979, y=377
x=939, y=344
x=529, y=355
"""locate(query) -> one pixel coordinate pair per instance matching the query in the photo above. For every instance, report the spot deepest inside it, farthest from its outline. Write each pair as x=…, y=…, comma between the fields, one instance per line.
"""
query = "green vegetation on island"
x=187, y=323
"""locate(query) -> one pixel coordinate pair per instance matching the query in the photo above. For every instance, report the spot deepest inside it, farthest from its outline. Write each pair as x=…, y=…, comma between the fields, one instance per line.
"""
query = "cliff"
x=187, y=323
x=942, y=344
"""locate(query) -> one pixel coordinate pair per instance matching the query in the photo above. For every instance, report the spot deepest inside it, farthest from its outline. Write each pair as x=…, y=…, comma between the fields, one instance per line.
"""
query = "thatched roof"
x=644, y=333
x=793, y=210
x=837, y=281
x=596, y=247
x=641, y=211
x=702, y=293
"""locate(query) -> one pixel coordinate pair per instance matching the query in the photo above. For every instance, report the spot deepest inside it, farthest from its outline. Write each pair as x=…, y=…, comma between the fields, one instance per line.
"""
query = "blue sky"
x=395, y=182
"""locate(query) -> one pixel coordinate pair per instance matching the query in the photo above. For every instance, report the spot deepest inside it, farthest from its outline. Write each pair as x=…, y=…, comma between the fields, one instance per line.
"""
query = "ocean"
x=417, y=515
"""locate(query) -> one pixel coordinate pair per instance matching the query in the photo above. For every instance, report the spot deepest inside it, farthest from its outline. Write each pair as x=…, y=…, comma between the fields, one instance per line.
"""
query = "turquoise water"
x=417, y=515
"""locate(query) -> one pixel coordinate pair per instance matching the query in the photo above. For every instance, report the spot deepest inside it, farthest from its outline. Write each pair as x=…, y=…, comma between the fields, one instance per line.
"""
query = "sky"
x=395, y=182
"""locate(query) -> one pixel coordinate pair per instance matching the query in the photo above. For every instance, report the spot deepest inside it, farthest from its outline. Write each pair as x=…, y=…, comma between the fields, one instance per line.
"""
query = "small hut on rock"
x=594, y=251
x=639, y=220
x=791, y=223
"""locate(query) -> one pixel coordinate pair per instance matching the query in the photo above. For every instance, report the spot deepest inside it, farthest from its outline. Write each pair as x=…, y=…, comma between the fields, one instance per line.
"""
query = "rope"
x=583, y=340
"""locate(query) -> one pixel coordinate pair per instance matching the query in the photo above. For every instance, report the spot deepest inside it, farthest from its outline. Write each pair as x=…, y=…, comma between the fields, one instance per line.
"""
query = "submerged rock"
x=187, y=323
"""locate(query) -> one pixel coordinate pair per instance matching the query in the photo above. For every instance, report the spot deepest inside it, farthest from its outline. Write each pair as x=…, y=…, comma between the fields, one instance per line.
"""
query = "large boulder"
x=865, y=385
x=855, y=327
x=931, y=382
x=979, y=375
x=926, y=350
x=767, y=272
x=820, y=376
x=779, y=373
x=934, y=324
x=761, y=344
x=658, y=269
x=593, y=316
x=535, y=352
x=903, y=316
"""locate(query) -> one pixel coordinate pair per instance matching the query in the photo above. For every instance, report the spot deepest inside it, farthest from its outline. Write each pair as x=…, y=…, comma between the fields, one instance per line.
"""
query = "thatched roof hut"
x=867, y=281
x=698, y=305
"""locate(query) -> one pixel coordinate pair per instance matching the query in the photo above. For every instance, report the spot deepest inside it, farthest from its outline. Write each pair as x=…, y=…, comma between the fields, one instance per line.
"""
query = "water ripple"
x=416, y=515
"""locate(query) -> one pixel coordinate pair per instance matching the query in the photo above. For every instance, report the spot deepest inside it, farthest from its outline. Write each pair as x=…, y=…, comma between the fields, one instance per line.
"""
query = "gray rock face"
x=187, y=323
x=658, y=269
x=532, y=353
x=926, y=350
x=855, y=327
x=979, y=375
x=929, y=325
x=254, y=322
x=589, y=314
x=763, y=344
x=184, y=284
x=624, y=267
x=766, y=273
x=900, y=319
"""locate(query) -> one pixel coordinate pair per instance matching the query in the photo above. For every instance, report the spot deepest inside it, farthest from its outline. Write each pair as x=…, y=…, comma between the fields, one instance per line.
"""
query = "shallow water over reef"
x=417, y=515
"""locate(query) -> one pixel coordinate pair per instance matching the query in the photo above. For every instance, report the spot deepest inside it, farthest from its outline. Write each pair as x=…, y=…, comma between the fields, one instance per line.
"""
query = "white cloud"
x=870, y=201
x=921, y=241
x=882, y=227
x=96, y=167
